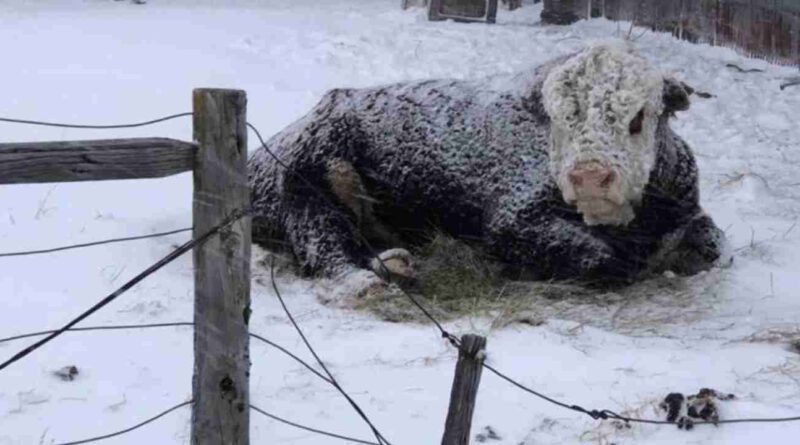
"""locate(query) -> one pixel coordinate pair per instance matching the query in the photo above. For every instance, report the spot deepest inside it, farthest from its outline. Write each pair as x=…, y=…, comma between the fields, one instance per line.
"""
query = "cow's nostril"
x=606, y=178
x=592, y=178
x=575, y=178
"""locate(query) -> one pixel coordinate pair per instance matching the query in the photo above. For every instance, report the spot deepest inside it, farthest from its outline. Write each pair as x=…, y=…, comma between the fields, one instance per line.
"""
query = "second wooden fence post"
x=465, y=390
x=220, y=413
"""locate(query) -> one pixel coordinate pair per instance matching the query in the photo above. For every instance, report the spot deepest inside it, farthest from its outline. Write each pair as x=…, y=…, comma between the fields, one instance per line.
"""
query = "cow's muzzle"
x=592, y=180
x=597, y=192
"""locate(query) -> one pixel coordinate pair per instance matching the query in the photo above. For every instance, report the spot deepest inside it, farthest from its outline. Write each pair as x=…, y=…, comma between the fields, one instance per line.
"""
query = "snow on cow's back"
x=476, y=134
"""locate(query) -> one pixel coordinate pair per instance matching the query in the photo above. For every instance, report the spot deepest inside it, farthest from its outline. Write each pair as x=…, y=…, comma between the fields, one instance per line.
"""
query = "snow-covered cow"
x=568, y=171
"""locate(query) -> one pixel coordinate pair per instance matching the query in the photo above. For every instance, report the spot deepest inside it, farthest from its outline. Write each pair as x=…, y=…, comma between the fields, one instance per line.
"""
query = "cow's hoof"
x=352, y=287
x=395, y=263
x=379, y=291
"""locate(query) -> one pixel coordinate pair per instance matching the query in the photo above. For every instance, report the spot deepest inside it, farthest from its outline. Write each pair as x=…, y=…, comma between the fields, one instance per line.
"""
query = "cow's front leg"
x=322, y=236
x=326, y=241
x=699, y=248
x=551, y=247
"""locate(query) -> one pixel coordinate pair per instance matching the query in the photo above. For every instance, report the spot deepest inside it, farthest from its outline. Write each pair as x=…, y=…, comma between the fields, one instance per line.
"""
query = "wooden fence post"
x=463, y=10
x=220, y=386
x=465, y=390
x=412, y=3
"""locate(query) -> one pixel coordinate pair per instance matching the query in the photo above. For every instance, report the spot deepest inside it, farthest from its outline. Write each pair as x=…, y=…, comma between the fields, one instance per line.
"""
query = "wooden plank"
x=511, y=4
x=465, y=390
x=768, y=29
x=67, y=161
x=220, y=413
x=463, y=10
x=406, y=4
x=561, y=12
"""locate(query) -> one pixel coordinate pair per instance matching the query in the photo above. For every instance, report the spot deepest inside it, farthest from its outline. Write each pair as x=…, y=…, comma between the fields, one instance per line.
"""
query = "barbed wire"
x=128, y=430
x=69, y=326
x=373, y=252
x=292, y=355
x=453, y=340
x=606, y=414
x=310, y=429
x=595, y=414
x=163, y=325
x=189, y=245
x=174, y=324
x=94, y=127
x=381, y=439
x=456, y=342
x=93, y=243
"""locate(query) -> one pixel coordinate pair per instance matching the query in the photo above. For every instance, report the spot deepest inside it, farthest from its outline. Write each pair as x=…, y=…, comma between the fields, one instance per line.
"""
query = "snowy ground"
x=96, y=61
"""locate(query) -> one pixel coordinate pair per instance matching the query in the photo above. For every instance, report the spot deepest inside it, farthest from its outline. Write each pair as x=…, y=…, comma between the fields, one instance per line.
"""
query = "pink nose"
x=591, y=178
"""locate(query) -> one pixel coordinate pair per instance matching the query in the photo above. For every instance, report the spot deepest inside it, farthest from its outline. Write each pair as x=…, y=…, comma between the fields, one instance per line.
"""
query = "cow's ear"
x=676, y=96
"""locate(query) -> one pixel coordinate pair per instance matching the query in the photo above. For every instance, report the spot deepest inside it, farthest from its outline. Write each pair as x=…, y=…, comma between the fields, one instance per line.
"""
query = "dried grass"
x=453, y=278
x=610, y=432
x=789, y=335
x=458, y=280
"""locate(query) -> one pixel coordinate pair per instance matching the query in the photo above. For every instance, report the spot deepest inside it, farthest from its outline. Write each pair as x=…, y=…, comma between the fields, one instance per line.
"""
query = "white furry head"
x=604, y=105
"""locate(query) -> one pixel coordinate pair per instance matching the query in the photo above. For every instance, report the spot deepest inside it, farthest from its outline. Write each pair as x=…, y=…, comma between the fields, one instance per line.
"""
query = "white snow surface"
x=96, y=61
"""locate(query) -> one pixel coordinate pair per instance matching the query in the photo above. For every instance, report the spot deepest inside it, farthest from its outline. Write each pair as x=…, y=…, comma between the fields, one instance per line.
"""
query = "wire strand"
x=290, y=354
x=357, y=232
x=94, y=127
x=602, y=414
x=455, y=341
x=378, y=435
x=608, y=414
x=128, y=430
x=189, y=245
x=308, y=428
x=93, y=243
x=165, y=325
x=98, y=328
x=160, y=325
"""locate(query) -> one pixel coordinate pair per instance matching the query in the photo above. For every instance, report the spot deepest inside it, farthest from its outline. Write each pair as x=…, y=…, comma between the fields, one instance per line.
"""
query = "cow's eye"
x=635, y=126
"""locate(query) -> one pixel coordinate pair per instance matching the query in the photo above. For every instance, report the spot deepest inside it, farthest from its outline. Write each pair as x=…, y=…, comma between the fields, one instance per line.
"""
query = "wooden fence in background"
x=768, y=29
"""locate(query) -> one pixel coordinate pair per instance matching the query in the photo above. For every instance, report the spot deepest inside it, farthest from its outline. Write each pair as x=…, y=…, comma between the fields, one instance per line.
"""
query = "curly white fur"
x=591, y=99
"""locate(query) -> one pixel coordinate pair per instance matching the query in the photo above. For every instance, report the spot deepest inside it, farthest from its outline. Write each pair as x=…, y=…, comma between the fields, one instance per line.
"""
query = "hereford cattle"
x=568, y=171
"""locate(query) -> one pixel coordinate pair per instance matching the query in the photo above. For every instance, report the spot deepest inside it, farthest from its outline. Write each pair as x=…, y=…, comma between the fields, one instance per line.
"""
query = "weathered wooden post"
x=220, y=413
x=465, y=390
x=463, y=10
x=559, y=12
x=511, y=4
x=412, y=3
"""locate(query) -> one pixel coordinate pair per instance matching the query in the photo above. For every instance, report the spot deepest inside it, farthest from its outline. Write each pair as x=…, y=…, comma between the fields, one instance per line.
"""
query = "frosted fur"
x=591, y=99
x=473, y=159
